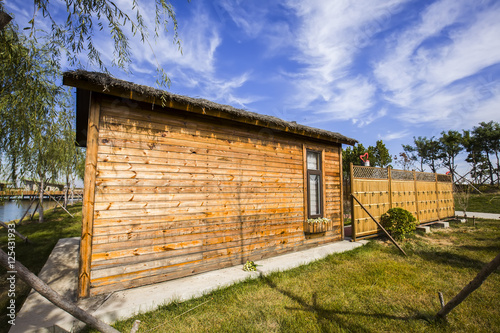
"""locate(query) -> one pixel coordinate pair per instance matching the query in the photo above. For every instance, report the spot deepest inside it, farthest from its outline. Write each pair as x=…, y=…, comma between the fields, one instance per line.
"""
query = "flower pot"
x=316, y=228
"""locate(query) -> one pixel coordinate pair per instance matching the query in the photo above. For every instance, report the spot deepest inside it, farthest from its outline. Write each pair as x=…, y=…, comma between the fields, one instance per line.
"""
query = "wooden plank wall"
x=178, y=195
x=428, y=196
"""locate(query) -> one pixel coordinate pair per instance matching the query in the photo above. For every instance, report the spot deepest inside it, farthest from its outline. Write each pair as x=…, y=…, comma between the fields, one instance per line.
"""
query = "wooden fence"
x=428, y=196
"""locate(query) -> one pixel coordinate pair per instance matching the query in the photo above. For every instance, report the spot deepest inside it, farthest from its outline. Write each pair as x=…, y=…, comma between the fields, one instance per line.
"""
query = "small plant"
x=249, y=266
x=462, y=198
x=399, y=223
x=318, y=220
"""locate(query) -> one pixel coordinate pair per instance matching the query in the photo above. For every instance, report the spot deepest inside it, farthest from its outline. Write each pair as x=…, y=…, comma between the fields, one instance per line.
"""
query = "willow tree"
x=30, y=101
x=71, y=158
x=74, y=31
x=30, y=75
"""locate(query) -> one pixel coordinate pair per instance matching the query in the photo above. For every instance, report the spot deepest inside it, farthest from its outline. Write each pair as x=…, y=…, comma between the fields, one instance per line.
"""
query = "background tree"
x=487, y=138
x=351, y=155
x=403, y=161
x=409, y=157
x=420, y=151
x=475, y=156
x=379, y=155
x=69, y=155
x=428, y=152
x=30, y=101
x=450, y=145
x=32, y=133
x=495, y=145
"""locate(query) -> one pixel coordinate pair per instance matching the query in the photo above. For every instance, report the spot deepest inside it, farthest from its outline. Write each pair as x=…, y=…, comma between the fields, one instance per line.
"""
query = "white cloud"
x=433, y=70
x=196, y=67
x=199, y=42
x=370, y=118
x=247, y=16
x=350, y=98
x=399, y=71
x=390, y=136
x=330, y=34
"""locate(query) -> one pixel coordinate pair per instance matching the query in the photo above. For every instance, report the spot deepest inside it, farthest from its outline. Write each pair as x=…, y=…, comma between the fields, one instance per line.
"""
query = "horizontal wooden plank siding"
x=177, y=194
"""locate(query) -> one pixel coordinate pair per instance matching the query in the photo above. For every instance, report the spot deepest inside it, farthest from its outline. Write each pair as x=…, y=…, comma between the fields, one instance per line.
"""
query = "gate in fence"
x=428, y=196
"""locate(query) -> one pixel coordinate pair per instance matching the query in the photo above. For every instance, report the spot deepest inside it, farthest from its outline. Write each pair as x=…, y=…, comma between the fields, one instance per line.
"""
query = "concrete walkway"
x=479, y=215
x=61, y=270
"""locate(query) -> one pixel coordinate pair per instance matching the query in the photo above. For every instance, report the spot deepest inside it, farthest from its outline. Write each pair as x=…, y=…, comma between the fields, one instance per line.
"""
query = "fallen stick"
x=14, y=266
x=468, y=289
x=17, y=233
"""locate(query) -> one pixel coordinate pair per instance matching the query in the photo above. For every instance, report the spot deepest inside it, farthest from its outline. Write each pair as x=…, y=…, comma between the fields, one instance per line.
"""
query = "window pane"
x=312, y=160
x=314, y=195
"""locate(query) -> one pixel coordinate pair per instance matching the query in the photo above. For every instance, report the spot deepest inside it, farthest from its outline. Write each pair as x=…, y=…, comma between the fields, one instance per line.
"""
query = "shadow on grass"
x=325, y=316
x=491, y=248
x=454, y=259
x=489, y=239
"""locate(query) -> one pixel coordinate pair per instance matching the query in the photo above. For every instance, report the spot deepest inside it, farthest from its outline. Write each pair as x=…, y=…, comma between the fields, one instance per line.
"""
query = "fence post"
x=389, y=178
x=437, y=196
x=416, y=195
x=353, y=220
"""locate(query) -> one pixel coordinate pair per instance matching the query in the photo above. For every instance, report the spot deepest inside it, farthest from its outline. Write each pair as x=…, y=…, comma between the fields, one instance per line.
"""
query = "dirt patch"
x=440, y=241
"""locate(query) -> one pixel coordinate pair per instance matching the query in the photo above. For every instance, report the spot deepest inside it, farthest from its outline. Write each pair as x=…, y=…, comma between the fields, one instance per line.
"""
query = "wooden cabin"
x=176, y=186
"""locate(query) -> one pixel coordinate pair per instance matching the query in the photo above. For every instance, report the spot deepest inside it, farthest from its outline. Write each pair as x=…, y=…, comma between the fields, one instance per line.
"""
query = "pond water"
x=14, y=209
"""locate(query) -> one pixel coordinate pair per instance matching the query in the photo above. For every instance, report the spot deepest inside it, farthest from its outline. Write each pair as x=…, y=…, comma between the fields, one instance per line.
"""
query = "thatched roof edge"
x=104, y=83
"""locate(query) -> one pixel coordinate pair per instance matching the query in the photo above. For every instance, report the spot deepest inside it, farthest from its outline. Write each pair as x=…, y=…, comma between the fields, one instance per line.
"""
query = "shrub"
x=399, y=222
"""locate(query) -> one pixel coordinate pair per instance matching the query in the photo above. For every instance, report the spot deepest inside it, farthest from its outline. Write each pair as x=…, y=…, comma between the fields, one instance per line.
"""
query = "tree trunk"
x=490, y=166
x=41, y=287
x=474, y=168
x=452, y=170
x=473, y=285
x=66, y=192
x=40, y=198
x=498, y=169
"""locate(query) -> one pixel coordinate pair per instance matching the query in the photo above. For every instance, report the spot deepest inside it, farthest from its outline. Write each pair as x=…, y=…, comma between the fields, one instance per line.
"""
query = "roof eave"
x=70, y=79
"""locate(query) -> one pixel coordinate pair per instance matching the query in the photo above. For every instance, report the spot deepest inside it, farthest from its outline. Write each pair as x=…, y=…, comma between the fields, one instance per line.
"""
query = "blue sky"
x=370, y=70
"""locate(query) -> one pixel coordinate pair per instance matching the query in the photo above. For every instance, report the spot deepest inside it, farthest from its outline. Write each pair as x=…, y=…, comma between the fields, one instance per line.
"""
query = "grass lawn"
x=485, y=203
x=370, y=289
x=44, y=237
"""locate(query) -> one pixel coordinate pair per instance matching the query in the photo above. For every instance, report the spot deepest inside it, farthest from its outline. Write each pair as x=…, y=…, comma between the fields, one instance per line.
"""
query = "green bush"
x=399, y=222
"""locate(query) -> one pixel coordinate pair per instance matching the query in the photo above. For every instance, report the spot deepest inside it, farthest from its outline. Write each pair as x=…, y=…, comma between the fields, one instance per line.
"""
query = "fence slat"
x=381, y=189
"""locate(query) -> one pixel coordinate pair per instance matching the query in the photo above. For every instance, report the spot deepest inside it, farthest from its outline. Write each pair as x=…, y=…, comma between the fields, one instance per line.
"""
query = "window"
x=314, y=181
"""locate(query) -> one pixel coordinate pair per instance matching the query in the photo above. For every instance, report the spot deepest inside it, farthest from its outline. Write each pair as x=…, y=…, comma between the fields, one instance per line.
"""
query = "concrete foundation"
x=424, y=229
x=441, y=225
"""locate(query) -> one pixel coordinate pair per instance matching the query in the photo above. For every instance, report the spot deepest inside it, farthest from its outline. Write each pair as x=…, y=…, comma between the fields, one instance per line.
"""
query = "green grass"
x=485, y=203
x=43, y=237
x=370, y=289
